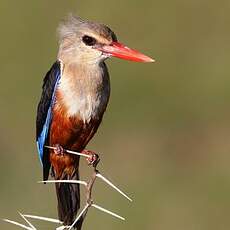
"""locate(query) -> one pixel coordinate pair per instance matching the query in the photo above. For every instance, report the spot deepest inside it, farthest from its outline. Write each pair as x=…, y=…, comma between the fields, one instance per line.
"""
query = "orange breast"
x=71, y=133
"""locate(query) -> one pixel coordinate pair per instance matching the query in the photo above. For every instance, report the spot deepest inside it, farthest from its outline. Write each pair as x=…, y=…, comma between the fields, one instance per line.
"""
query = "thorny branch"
x=89, y=200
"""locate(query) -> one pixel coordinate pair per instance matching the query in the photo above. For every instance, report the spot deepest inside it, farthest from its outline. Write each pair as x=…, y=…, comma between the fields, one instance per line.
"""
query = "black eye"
x=89, y=41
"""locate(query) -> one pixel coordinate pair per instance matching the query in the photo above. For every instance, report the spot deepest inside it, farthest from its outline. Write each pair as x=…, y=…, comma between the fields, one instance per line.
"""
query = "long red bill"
x=119, y=50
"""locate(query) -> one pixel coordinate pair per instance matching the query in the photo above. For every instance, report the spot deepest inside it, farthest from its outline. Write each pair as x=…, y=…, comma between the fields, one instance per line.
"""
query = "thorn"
x=69, y=151
x=64, y=181
x=80, y=214
x=112, y=185
x=44, y=218
x=18, y=224
x=107, y=211
x=27, y=221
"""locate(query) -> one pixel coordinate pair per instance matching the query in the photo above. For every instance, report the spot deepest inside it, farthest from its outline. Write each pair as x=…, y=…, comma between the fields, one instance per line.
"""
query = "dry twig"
x=89, y=200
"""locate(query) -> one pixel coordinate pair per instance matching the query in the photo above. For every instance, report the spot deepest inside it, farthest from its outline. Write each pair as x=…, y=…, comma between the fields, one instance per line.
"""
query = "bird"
x=75, y=94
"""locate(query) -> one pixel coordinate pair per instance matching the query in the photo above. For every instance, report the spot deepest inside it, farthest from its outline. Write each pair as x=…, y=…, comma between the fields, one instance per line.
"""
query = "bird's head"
x=91, y=42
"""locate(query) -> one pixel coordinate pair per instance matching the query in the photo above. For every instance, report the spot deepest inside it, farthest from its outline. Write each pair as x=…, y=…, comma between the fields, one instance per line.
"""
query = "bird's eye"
x=89, y=41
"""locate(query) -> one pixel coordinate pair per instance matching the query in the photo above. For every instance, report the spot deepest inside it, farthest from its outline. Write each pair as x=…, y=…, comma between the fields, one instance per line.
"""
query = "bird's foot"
x=92, y=158
x=59, y=150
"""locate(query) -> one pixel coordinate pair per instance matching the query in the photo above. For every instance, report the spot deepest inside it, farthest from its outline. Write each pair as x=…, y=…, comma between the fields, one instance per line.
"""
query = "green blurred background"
x=165, y=136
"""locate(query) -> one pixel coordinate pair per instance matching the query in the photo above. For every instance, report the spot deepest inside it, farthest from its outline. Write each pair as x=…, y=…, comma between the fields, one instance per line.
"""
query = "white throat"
x=85, y=91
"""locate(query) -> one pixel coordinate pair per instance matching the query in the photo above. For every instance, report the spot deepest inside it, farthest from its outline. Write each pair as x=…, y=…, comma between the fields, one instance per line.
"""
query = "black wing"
x=44, y=114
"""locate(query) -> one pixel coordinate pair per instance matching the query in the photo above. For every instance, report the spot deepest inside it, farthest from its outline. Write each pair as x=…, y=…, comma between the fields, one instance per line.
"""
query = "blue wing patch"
x=44, y=111
x=42, y=138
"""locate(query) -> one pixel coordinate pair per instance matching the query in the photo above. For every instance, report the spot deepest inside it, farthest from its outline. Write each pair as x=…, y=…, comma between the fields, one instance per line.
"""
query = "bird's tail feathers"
x=68, y=197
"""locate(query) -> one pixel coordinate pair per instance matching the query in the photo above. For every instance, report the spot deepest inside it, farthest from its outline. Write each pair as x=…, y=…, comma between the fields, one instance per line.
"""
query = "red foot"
x=93, y=158
x=59, y=150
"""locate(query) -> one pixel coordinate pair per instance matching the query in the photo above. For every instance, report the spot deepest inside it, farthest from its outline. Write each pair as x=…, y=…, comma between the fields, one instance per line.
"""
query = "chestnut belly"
x=70, y=133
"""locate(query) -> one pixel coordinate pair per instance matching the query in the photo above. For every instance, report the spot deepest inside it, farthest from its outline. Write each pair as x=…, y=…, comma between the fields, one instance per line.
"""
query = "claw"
x=59, y=150
x=92, y=159
x=68, y=151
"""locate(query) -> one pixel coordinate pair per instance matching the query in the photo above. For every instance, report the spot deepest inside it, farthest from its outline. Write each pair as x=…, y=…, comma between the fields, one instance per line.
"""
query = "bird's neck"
x=84, y=89
x=81, y=70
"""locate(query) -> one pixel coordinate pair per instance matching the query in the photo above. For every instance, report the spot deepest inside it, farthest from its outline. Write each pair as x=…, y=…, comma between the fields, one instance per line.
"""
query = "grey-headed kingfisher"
x=74, y=97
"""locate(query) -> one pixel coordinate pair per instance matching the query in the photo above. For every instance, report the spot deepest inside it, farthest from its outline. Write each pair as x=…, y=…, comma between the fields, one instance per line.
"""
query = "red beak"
x=119, y=50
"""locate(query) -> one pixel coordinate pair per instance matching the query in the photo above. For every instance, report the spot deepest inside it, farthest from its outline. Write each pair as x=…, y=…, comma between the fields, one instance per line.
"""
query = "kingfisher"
x=75, y=95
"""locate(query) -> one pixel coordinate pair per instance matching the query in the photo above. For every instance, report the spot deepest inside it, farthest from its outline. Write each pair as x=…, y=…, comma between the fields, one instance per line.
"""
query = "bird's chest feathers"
x=83, y=93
